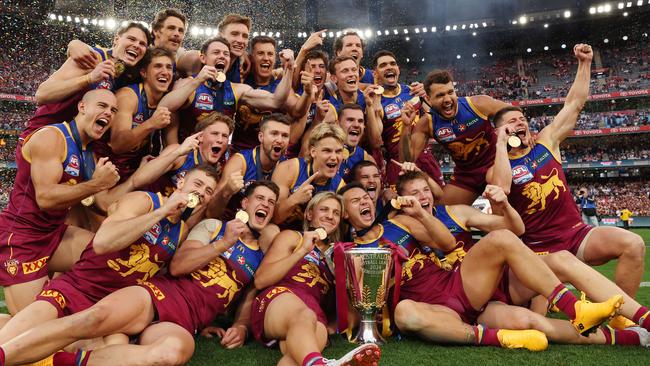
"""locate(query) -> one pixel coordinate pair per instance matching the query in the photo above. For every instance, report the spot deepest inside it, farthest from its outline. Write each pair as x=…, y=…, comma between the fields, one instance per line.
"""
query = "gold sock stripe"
x=559, y=295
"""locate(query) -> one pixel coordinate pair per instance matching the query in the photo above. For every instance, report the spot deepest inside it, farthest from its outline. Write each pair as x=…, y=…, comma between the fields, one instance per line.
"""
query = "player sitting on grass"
x=295, y=282
x=212, y=269
x=434, y=322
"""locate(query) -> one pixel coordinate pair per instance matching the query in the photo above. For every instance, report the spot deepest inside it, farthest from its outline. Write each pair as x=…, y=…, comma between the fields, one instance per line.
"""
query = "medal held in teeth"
x=395, y=203
x=514, y=141
x=88, y=201
x=322, y=234
x=192, y=200
x=242, y=216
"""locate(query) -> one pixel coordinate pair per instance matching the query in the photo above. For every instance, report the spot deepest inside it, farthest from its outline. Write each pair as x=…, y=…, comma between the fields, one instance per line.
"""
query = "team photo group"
x=294, y=193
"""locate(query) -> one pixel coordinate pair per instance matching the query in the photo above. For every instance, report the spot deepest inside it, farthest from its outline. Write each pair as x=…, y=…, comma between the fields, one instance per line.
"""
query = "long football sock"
x=485, y=336
x=564, y=300
x=621, y=337
x=642, y=317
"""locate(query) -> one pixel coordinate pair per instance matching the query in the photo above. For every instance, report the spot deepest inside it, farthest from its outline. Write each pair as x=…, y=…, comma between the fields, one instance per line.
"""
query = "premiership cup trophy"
x=368, y=273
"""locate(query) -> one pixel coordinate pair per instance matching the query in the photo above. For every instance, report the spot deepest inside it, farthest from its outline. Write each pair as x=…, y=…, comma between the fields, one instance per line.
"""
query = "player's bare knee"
x=171, y=354
x=523, y=319
x=634, y=247
x=305, y=316
x=405, y=315
x=561, y=262
x=502, y=239
x=92, y=319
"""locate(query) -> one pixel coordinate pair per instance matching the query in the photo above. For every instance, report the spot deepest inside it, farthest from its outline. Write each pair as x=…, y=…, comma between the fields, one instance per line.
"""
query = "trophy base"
x=368, y=333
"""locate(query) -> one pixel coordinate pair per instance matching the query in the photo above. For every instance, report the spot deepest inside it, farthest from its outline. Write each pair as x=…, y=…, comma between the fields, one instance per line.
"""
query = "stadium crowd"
x=7, y=177
x=546, y=75
x=619, y=147
x=613, y=197
x=590, y=121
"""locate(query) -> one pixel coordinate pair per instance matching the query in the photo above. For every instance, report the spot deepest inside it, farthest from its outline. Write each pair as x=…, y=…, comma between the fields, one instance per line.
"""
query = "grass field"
x=414, y=352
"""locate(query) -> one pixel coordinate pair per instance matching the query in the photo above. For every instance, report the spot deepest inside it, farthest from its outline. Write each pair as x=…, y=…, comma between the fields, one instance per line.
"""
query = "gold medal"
x=395, y=203
x=88, y=201
x=221, y=77
x=322, y=234
x=242, y=216
x=514, y=141
x=192, y=200
x=120, y=66
x=414, y=101
x=379, y=90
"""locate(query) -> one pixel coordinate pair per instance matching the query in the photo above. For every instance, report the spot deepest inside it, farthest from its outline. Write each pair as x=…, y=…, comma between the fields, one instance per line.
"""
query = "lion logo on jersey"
x=461, y=150
x=217, y=274
x=139, y=261
x=311, y=272
x=538, y=193
x=416, y=259
x=456, y=255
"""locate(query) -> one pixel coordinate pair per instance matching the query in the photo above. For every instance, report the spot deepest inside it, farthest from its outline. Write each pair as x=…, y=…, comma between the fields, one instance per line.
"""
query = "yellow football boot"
x=620, y=322
x=589, y=315
x=530, y=339
x=44, y=362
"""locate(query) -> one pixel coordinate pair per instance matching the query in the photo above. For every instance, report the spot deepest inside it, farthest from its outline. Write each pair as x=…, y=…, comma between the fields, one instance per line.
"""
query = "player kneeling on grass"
x=422, y=314
x=295, y=281
x=213, y=268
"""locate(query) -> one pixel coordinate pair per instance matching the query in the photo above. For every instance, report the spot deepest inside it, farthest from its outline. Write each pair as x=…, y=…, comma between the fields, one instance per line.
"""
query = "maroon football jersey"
x=542, y=196
x=23, y=213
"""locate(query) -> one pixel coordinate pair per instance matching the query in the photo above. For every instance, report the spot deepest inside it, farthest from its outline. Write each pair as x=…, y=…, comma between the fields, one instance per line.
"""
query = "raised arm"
x=504, y=215
x=314, y=40
x=408, y=166
x=424, y=227
x=132, y=216
x=232, y=181
x=197, y=251
x=262, y=99
x=179, y=97
x=283, y=176
x=148, y=172
x=287, y=249
x=298, y=106
x=71, y=79
x=373, y=112
x=123, y=137
x=415, y=133
x=82, y=54
x=566, y=119
x=46, y=151
x=486, y=105
x=500, y=173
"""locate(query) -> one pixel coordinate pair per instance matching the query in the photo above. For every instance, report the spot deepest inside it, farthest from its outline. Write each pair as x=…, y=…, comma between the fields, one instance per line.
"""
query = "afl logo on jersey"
x=204, y=101
x=105, y=84
x=393, y=111
x=521, y=174
x=139, y=118
x=445, y=134
x=73, y=166
x=152, y=234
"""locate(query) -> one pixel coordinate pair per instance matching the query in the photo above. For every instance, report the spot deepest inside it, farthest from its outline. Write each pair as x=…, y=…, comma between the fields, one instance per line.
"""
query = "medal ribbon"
x=259, y=171
x=87, y=160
